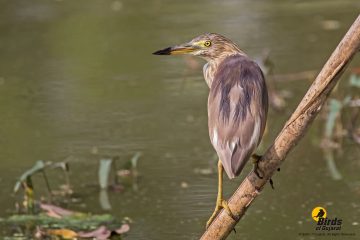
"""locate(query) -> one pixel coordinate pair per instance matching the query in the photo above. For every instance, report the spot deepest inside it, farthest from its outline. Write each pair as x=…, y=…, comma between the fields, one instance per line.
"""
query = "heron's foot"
x=255, y=159
x=220, y=204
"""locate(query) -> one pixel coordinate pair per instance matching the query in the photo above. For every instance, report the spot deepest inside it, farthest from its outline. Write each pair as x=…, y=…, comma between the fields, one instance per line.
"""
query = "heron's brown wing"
x=237, y=109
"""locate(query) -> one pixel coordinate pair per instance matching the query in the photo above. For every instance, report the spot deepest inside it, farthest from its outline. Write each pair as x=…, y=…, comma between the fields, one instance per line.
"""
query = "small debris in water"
x=124, y=173
x=330, y=24
x=184, y=185
x=117, y=6
x=203, y=171
x=190, y=118
x=329, y=203
x=94, y=150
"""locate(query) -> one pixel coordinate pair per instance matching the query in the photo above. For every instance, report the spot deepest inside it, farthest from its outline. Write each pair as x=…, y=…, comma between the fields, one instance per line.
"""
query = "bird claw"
x=271, y=183
x=220, y=204
x=256, y=159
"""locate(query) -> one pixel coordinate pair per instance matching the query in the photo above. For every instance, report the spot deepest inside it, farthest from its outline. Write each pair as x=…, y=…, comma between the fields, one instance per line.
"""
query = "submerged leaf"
x=104, y=200
x=334, y=172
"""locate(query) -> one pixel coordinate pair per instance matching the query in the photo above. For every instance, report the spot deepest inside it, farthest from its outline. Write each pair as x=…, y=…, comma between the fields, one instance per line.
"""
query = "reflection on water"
x=79, y=75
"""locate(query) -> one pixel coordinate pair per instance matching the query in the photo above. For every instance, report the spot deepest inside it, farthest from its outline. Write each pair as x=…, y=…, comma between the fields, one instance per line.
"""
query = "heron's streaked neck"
x=212, y=64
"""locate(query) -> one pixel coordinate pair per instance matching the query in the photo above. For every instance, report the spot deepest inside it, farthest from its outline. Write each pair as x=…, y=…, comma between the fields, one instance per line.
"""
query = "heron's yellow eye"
x=207, y=43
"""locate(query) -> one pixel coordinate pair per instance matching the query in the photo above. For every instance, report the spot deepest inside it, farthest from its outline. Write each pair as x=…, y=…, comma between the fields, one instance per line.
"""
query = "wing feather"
x=237, y=111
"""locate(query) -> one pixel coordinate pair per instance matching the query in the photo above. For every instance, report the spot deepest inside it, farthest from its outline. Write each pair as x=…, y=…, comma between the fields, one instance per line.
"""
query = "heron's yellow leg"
x=220, y=202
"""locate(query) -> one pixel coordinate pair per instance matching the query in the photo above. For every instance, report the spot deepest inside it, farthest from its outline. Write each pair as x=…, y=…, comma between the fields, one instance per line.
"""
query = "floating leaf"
x=76, y=221
x=62, y=165
x=38, y=166
x=134, y=160
x=346, y=100
x=103, y=233
x=104, y=173
x=100, y=233
x=64, y=233
x=29, y=195
x=55, y=211
x=354, y=80
x=123, y=229
x=334, y=109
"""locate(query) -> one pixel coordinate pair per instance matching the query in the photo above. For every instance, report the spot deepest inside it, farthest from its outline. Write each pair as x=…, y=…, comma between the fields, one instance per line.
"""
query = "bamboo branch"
x=290, y=135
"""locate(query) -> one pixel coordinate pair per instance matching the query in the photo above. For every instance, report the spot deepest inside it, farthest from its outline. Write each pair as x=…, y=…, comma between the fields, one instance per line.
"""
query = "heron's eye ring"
x=207, y=43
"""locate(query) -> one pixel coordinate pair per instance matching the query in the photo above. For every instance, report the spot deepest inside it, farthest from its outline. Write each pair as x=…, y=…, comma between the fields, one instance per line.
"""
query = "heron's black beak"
x=181, y=49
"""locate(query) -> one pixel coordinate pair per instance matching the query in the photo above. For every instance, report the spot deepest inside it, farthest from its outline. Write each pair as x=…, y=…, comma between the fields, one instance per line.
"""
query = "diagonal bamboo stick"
x=290, y=135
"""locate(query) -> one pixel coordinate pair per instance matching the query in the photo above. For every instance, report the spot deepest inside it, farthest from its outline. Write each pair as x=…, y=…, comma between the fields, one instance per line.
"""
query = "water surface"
x=77, y=79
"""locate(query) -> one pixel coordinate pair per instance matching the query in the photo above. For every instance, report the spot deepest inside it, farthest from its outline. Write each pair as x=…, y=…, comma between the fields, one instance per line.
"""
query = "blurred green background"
x=77, y=78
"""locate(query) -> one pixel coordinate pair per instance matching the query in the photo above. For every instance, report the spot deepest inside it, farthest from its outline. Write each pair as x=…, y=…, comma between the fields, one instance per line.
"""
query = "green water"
x=78, y=76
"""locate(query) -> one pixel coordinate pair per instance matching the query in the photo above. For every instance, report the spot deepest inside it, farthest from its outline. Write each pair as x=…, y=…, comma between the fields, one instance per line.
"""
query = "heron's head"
x=209, y=46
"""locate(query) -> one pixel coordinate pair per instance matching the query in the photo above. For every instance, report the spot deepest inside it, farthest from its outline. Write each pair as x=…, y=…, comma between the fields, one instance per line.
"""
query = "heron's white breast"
x=208, y=74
